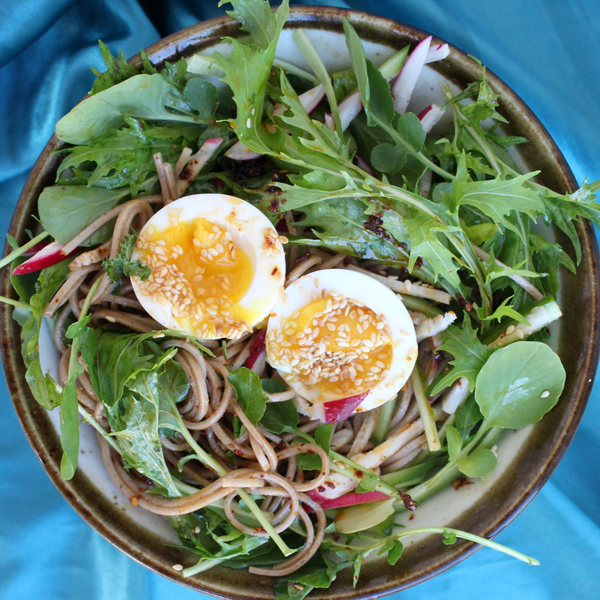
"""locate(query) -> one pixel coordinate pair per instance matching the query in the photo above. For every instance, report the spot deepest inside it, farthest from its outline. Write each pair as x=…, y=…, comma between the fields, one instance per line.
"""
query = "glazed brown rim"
x=35, y=420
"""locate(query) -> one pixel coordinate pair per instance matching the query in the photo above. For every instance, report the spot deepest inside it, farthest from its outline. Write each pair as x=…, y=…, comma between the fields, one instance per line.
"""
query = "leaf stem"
x=19, y=251
x=447, y=531
x=210, y=462
x=15, y=303
x=427, y=413
x=91, y=421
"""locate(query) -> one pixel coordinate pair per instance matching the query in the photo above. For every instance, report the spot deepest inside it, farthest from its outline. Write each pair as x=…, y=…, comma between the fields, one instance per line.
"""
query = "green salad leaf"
x=122, y=265
x=519, y=384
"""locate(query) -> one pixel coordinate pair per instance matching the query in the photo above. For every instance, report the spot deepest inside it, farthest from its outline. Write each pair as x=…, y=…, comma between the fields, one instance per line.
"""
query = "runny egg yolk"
x=198, y=269
x=334, y=344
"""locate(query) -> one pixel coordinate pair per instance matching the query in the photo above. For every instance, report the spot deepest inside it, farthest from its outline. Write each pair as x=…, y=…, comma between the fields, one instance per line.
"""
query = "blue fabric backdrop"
x=545, y=49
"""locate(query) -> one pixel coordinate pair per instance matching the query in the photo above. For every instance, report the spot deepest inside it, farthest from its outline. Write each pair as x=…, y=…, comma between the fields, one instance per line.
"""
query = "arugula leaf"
x=455, y=442
x=470, y=355
x=247, y=68
x=65, y=211
x=42, y=386
x=118, y=70
x=142, y=96
x=125, y=156
x=467, y=416
x=343, y=225
x=144, y=409
x=546, y=259
x=279, y=416
x=511, y=405
x=202, y=96
x=249, y=392
x=122, y=265
x=501, y=312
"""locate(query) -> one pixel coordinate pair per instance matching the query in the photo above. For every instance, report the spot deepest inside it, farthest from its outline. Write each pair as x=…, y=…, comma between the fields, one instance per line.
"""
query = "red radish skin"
x=406, y=81
x=430, y=116
x=257, y=348
x=347, y=499
x=217, y=182
x=35, y=249
x=437, y=52
x=46, y=257
x=341, y=409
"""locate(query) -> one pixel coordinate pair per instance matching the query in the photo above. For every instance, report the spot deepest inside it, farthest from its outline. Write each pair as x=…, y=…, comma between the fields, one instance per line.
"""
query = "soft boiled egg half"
x=217, y=266
x=342, y=341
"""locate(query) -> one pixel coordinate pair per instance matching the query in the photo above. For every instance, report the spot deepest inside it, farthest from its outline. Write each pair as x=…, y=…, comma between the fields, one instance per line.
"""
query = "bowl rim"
x=205, y=34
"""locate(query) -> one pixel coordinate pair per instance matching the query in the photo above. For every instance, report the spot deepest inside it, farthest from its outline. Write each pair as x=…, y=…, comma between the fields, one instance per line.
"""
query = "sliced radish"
x=257, y=349
x=329, y=122
x=406, y=81
x=349, y=109
x=35, y=249
x=437, y=52
x=46, y=257
x=310, y=100
x=347, y=499
x=341, y=409
x=425, y=182
x=430, y=116
x=359, y=162
x=239, y=152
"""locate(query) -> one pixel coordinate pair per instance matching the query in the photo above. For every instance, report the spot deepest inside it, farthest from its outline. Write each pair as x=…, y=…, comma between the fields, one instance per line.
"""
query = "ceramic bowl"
x=526, y=458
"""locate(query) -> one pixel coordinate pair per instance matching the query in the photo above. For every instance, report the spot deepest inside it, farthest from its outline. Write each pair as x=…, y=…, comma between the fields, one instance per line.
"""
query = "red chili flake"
x=330, y=485
x=185, y=174
x=411, y=517
x=274, y=271
x=359, y=474
x=461, y=482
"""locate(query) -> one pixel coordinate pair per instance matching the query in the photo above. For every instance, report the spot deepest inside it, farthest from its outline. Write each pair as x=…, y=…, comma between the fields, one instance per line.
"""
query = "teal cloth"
x=544, y=49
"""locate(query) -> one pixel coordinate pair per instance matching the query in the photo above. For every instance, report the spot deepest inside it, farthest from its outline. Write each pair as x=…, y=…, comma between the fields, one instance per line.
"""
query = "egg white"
x=368, y=292
x=252, y=232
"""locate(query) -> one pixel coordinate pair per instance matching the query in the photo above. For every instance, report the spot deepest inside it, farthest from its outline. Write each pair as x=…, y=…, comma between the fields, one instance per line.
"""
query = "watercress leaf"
x=66, y=210
x=279, y=415
x=388, y=158
x=470, y=355
x=519, y=384
x=410, y=128
x=202, y=96
x=249, y=393
x=272, y=386
x=454, y=442
x=478, y=463
x=449, y=538
x=323, y=435
x=395, y=553
x=141, y=97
